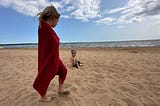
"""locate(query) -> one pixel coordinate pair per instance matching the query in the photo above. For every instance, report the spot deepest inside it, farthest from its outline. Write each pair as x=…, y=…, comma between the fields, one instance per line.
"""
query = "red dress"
x=49, y=63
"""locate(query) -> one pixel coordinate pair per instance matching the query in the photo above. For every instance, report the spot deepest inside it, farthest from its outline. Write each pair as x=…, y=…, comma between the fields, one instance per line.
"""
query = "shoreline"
x=129, y=43
x=92, y=48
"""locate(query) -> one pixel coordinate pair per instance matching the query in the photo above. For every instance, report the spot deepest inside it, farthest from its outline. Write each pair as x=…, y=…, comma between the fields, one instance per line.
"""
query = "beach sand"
x=110, y=77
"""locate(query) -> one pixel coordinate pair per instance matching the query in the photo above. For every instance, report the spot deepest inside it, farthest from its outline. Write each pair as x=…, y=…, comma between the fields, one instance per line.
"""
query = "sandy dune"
x=110, y=77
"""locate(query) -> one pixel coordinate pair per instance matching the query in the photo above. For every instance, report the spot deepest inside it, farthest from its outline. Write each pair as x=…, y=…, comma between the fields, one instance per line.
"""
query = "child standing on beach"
x=49, y=62
x=74, y=61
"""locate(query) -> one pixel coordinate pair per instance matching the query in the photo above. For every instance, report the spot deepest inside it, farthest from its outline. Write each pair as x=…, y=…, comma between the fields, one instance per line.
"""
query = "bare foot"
x=46, y=99
x=63, y=93
x=81, y=64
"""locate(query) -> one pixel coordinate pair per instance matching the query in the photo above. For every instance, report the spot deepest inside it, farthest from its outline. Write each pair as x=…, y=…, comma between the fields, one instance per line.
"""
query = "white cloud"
x=69, y=9
x=120, y=27
x=136, y=11
x=84, y=9
x=28, y=7
x=114, y=10
x=107, y=20
x=135, y=19
x=79, y=9
x=65, y=16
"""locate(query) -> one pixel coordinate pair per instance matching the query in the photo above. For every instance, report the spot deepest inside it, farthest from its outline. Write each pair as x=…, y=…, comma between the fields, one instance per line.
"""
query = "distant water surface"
x=135, y=43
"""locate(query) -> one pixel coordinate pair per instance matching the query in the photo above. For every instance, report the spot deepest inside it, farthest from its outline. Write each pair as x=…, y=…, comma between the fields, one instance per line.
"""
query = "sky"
x=82, y=20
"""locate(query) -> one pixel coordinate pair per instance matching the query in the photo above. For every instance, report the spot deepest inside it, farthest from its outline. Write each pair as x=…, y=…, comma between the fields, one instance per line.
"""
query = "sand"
x=110, y=77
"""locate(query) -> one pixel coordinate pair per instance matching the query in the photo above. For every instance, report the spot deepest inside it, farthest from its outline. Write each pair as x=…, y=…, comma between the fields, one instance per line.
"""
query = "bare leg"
x=62, y=75
x=61, y=89
x=60, y=86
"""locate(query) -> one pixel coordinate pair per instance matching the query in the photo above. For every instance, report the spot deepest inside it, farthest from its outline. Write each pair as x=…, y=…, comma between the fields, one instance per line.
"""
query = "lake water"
x=135, y=43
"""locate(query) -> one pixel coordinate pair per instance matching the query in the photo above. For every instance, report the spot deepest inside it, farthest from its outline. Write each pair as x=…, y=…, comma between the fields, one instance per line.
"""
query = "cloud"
x=69, y=9
x=120, y=27
x=78, y=9
x=147, y=7
x=65, y=16
x=143, y=10
x=136, y=11
x=83, y=9
x=107, y=20
x=28, y=7
x=114, y=10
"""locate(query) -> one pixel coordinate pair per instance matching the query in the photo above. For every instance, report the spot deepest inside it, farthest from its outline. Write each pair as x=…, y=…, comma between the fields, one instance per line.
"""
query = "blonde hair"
x=49, y=12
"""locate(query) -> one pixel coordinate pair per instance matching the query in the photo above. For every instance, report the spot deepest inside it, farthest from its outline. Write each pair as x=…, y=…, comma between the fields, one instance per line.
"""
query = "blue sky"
x=82, y=20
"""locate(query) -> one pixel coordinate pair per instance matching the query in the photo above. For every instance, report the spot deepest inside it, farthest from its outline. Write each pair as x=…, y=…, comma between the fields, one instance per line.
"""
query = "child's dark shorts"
x=77, y=64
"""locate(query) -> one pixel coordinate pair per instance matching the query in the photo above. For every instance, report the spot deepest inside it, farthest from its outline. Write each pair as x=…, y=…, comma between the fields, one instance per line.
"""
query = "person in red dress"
x=49, y=62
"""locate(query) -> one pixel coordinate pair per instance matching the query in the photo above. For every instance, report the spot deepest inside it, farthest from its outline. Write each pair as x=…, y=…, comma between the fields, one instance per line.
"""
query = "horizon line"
x=29, y=43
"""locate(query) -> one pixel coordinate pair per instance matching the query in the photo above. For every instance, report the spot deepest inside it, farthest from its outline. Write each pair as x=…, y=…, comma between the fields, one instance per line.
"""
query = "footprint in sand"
x=129, y=90
x=130, y=102
x=73, y=89
x=24, y=97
